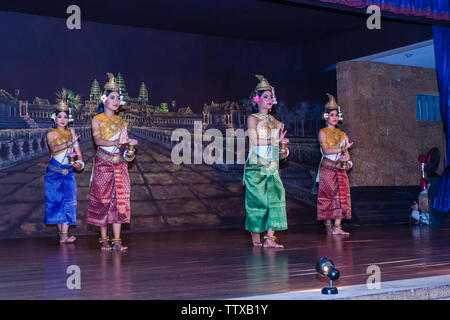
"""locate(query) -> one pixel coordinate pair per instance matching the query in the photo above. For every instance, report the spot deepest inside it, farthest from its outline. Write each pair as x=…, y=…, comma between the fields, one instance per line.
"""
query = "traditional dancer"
x=333, y=200
x=264, y=192
x=109, y=201
x=60, y=183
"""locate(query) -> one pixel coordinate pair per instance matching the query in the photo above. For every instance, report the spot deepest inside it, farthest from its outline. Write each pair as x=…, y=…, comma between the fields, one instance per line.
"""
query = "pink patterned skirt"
x=333, y=199
x=109, y=200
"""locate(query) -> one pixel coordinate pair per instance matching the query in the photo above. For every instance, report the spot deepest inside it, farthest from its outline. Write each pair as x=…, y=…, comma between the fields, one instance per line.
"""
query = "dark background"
x=190, y=51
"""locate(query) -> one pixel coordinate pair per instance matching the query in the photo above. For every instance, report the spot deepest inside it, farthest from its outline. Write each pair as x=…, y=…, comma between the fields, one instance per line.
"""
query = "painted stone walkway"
x=164, y=196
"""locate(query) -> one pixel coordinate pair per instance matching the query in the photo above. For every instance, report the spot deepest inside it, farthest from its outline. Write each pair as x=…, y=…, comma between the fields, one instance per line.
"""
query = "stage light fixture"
x=325, y=266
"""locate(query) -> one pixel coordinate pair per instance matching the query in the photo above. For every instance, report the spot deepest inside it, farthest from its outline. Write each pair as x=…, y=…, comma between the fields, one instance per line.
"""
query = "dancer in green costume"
x=264, y=192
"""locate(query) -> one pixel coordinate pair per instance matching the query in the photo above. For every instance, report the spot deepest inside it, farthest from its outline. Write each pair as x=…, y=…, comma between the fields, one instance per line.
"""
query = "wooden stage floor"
x=216, y=264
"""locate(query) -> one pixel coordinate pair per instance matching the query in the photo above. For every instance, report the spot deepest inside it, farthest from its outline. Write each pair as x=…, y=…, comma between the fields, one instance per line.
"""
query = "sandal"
x=328, y=227
x=338, y=230
x=65, y=238
x=105, y=244
x=117, y=245
x=273, y=244
x=256, y=243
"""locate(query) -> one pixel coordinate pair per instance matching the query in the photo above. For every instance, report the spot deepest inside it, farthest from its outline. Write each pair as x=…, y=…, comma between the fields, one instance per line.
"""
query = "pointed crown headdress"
x=331, y=105
x=112, y=85
x=263, y=85
x=62, y=105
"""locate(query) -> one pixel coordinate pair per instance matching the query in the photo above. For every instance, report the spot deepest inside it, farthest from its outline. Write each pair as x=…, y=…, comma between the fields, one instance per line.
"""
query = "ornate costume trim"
x=62, y=137
x=334, y=137
x=110, y=125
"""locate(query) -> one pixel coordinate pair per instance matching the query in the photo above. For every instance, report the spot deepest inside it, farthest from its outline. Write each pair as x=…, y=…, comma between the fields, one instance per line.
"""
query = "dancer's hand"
x=348, y=144
x=123, y=136
x=345, y=156
x=276, y=142
x=75, y=136
x=283, y=133
x=77, y=165
x=75, y=139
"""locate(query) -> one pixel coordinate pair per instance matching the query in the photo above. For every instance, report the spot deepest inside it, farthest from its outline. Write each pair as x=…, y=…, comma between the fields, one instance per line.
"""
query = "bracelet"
x=343, y=149
x=81, y=163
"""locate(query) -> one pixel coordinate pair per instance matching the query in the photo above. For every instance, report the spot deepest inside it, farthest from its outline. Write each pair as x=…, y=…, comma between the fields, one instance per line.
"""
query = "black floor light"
x=325, y=266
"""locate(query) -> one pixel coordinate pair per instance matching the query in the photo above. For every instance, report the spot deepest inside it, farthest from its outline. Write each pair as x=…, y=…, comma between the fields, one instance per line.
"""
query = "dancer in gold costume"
x=264, y=192
x=333, y=200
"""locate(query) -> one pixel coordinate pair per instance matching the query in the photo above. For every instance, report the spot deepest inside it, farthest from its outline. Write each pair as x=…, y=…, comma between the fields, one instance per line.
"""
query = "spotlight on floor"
x=325, y=266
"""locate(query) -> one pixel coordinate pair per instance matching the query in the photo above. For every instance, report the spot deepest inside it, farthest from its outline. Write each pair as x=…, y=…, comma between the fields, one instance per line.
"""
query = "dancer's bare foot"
x=105, y=244
x=117, y=245
x=328, y=227
x=64, y=238
x=270, y=242
x=256, y=239
x=338, y=231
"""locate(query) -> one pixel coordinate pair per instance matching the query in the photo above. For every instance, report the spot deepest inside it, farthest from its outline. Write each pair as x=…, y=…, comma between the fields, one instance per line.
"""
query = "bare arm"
x=346, y=155
x=76, y=146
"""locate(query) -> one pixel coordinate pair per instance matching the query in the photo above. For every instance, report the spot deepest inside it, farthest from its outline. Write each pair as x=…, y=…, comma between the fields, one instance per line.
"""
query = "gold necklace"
x=268, y=118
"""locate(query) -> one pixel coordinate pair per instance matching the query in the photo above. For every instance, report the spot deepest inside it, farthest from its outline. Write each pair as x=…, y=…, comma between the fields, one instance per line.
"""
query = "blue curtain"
x=436, y=6
x=441, y=37
x=432, y=9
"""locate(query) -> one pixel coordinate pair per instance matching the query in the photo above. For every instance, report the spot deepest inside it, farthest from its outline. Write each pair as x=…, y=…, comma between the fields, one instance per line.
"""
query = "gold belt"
x=63, y=171
x=116, y=158
x=336, y=164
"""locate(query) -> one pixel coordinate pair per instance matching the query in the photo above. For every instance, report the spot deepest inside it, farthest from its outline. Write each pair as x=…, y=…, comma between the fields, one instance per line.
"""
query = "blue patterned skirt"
x=60, y=194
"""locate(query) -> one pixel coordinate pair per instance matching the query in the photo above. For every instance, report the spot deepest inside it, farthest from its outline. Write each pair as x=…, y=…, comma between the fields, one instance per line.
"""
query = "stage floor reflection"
x=216, y=264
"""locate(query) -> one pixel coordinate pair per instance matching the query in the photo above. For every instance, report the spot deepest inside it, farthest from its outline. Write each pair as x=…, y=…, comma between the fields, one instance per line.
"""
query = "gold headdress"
x=263, y=85
x=332, y=105
x=112, y=84
x=62, y=105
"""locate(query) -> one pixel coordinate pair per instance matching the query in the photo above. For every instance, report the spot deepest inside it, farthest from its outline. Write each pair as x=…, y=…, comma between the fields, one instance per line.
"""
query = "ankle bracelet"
x=101, y=240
